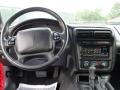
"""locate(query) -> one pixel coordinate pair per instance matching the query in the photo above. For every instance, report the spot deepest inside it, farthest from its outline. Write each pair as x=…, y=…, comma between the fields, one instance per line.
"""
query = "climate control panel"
x=98, y=64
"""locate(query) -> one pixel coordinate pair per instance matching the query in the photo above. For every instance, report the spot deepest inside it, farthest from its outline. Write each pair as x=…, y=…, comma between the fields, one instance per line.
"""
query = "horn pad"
x=34, y=40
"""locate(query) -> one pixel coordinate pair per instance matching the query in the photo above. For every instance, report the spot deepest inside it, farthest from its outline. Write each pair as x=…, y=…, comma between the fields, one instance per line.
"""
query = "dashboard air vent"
x=84, y=35
x=102, y=34
x=93, y=34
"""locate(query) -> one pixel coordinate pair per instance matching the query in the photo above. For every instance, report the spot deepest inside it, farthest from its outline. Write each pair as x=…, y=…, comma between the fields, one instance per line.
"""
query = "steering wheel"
x=33, y=41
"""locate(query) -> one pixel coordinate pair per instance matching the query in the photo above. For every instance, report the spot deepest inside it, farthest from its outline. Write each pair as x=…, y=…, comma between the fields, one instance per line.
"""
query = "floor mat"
x=1, y=78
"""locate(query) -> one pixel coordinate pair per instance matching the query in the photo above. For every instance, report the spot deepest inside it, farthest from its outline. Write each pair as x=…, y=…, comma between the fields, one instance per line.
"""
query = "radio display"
x=102, y=51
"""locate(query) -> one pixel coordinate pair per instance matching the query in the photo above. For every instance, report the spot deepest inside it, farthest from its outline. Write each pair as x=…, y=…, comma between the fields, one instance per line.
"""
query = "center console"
x=94, y=46
x=95, y=82
x=94, y=51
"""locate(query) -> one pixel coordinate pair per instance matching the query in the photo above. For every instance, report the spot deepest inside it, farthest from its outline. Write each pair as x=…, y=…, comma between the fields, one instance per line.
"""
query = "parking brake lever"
x=92, y=76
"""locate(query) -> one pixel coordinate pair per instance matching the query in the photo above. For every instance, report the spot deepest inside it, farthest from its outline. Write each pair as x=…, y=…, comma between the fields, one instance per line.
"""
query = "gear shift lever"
x=92, y=76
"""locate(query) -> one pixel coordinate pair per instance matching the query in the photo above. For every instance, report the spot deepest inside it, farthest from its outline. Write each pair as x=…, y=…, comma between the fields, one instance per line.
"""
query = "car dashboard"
x=89, y=45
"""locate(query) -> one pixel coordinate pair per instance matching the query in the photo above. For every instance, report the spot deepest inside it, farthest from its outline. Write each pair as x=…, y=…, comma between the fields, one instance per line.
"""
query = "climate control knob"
x=86, y=64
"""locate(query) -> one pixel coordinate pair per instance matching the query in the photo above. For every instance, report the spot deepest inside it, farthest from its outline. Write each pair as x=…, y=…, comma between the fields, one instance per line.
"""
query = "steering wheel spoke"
x=24, y=58
x=21, y=58
x=49, y=56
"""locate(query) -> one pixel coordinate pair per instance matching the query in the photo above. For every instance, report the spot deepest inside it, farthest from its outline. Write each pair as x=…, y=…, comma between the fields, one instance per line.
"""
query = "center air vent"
x=93, y=34
x=102, y=34
x=84, y=34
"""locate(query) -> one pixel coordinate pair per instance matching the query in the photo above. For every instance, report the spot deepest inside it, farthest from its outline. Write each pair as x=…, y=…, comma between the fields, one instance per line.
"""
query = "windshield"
x=72, y=11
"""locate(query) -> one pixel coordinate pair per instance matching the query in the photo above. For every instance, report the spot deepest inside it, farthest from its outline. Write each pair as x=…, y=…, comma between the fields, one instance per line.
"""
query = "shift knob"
x=92, y=76
x=92, y=70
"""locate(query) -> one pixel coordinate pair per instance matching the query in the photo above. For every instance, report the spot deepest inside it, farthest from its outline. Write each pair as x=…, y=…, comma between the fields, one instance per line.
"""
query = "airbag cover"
x=33, y=40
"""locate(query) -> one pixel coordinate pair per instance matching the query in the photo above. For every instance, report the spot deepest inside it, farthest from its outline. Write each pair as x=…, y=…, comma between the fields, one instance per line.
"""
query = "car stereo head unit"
x=94, y=51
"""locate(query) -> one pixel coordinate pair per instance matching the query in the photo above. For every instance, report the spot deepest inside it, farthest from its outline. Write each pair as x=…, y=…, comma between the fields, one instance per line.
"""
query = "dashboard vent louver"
x=92, y=34
x=84, y=35
x=102, y=34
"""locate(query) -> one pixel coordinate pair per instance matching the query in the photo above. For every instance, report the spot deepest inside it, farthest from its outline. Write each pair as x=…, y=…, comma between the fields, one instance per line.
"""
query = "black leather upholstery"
x=34, y=40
